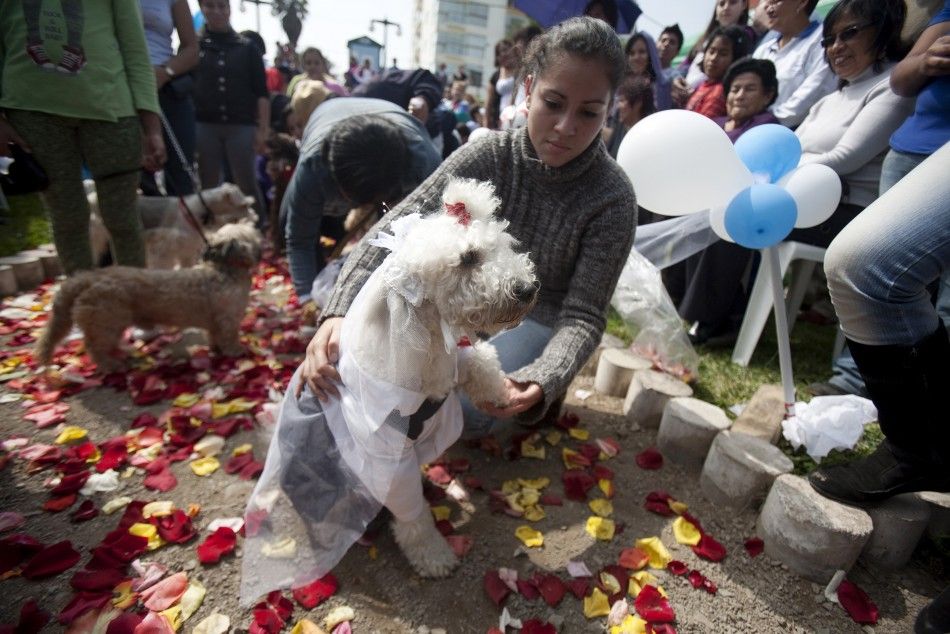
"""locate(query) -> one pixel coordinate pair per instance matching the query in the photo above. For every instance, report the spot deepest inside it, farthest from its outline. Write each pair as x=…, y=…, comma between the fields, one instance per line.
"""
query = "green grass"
x=24, y=226
x=724, y=383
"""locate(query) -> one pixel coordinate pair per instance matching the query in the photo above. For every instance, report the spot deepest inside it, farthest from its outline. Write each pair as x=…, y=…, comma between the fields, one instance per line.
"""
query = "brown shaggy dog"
x=212, y=295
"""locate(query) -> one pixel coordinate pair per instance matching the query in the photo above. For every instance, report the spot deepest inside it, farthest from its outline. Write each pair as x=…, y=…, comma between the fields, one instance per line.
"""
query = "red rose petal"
x=695, y=578
x=650, y=459
x=97, y=580
x=124, y=623
x=51, y=561
x=550, y=499
x=438, y=474
x=15, y=549
x=312, y=595
x=176, y=528
x=754, y=546
x=57, y=504
x=536, y=626
x=857, y=603
x=660, y=628
x=577, y=484
x=653, y=607
x=602, y=473
x=496, y=589
x=86, y=511
x=81, y=603
x=552, y=589
x=709, y=548
x=527, y=589
x=216, y=545
x=112, y=458
x=32, y=619
x=163, y=480
x=460, y=544
x=165, y=593
x=579, y=587
x=709, y=586
x=677, y=568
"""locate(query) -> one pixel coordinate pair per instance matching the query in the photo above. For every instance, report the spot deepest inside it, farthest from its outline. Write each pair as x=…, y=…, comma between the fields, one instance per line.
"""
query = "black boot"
x=909, y=385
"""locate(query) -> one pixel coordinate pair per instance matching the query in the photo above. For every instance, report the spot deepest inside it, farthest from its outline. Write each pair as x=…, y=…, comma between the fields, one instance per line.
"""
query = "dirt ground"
x=754, y=594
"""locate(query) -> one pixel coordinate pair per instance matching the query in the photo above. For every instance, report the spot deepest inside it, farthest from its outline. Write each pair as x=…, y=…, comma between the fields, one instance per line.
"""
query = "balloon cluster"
x=681, y=162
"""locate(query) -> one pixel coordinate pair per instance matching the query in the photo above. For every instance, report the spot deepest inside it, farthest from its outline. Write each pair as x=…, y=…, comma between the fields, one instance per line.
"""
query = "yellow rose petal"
x=606, y=487
x=95, y=457
x=610, y=583
x=205, y=466
x=373, y=552
x=115, y=504
x=149, y=532
x=338, y=615
x=639, y=580
x=510, y=486
x=441, y=513
x=686, y=532
x=242, y=449
x=603, y=508
x=70, y=433
x=173, y=616
x=536, y=483
x=677, y=507
x=578, y=433
x=191, y=600
x=596, y=604
x=305, y=626
x=534, y=513
x=158, y=509
x=569, y=457
x=210, y=445
x=285, y=548
x=530, y=451
x=122, y=595
x=530, y=537
x=185, y=400
x=600, y=528
x=656, y=551
x=553, y=437
x=631, y=625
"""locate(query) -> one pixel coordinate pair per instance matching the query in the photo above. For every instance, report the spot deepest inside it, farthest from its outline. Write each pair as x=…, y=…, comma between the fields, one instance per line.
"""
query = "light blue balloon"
x=199, y=20
x=769, y=149
x=760, y=216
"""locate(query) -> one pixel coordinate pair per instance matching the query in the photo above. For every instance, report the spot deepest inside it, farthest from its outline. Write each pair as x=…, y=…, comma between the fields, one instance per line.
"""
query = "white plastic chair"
x=805, y=256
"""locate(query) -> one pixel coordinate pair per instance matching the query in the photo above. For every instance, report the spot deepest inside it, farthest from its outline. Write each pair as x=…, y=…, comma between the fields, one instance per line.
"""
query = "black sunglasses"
x=845, y=35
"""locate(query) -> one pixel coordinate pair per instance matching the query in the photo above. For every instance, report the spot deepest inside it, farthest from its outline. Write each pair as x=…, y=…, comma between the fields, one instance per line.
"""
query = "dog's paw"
x=425, y=547
x=480, y=375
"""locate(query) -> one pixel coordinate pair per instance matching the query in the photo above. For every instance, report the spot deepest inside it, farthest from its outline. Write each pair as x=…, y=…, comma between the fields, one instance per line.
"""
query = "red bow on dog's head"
x=458, y=211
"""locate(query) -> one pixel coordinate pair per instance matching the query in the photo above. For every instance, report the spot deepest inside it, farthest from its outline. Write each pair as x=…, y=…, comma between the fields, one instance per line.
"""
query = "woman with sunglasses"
x=849, y=130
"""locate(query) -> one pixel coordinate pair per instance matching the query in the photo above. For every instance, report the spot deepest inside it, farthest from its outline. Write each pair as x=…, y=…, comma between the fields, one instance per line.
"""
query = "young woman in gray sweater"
x=568, y=203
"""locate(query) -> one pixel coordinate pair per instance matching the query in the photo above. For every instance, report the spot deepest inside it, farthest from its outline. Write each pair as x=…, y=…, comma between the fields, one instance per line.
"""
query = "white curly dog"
x=452, y=276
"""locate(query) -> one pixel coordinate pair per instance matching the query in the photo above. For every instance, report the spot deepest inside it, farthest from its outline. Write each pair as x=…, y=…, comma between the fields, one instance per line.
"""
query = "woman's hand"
x=935, y=62
x=679, y=91
x=260, y=139
x=521, y=397
x=153, y=143
x=9, y=135
x=161, y=77
x=323, y=351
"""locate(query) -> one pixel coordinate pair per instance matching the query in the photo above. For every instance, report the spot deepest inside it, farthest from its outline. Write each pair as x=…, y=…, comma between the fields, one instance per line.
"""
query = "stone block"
x=8, y=285
x=809, y=533
x=687, y=429
x=739, y=469
x=898, y=525
x=49, y=260
x=615, y=370
x=763, y=415
x=648, y=394
x=27, y=269
x=607, y=341
x=939, y=526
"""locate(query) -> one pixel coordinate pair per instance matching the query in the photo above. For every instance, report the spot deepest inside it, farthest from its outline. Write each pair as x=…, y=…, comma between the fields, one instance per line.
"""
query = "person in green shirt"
x=77, y=88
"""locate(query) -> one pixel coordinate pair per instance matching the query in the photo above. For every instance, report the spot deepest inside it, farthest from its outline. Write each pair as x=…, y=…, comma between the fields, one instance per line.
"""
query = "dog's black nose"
x=525, y=292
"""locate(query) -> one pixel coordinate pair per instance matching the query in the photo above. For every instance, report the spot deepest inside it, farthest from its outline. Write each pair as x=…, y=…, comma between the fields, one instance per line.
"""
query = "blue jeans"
x=847, y=377
x=180, y=113
x=879, y=268
x=516, y=348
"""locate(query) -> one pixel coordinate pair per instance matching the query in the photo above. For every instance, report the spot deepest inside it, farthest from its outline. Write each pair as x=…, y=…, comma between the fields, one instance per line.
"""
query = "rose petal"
x=81, y=603
x=653, y=606
x=176, y=528
x=312, y=595
x=577, y=484
x=685, y=532
x=165, y=593
x=857, y=603
x=51, y=561
x=677, y=568
x=10, y=520
x=552, y=589
x=460, y=544
x=656, y=551
x=32, y=619
x=496, y=589
x=57, y=504
x=216, y=545
x=709, y=548
x=536, y=626
x=754, y=546
x=97, y=580
x=650, y=459
x=86, y=511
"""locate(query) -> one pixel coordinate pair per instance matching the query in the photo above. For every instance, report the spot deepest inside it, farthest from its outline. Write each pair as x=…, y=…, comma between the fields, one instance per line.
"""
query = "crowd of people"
x=864, y=94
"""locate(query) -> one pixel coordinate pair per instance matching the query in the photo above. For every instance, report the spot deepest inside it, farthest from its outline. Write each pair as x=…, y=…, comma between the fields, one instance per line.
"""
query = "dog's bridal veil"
x=330, y=467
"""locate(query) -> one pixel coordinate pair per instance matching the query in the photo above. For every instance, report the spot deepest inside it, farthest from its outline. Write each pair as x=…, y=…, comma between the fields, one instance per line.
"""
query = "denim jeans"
x=516, y=348
x=180, y=113
x=879, y=268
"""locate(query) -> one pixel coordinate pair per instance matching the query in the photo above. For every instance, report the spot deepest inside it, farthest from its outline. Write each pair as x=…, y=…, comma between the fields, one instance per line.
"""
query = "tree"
x=292, y=13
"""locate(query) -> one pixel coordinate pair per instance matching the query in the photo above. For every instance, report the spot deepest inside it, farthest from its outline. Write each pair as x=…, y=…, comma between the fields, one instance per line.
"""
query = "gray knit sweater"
x=576, y=221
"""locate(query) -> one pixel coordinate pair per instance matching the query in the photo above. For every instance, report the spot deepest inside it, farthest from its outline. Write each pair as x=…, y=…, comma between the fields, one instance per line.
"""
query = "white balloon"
x=816, y=189
x=717, y=221
x=681, y=162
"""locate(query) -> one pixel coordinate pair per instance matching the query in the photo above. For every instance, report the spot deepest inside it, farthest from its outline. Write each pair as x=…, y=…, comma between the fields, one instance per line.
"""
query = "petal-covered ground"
x=122, y=499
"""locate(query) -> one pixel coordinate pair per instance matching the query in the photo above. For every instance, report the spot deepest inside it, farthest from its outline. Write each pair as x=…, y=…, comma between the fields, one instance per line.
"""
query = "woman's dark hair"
x=638, y=90
x=700, y=44
x=764, y=68
x=367, y=157
x=499, y=45
x=582, y=36
x=256, y=40
x=735, y=34
x=609, y=8
x=640, y=37
x=886, y=16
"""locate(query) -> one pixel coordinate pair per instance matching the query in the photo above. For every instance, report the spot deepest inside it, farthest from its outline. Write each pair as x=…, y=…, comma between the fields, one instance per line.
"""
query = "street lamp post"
x=386, y=23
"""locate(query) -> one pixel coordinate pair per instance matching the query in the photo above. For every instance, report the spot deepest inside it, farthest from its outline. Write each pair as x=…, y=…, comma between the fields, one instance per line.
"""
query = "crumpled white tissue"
x=828, y=422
